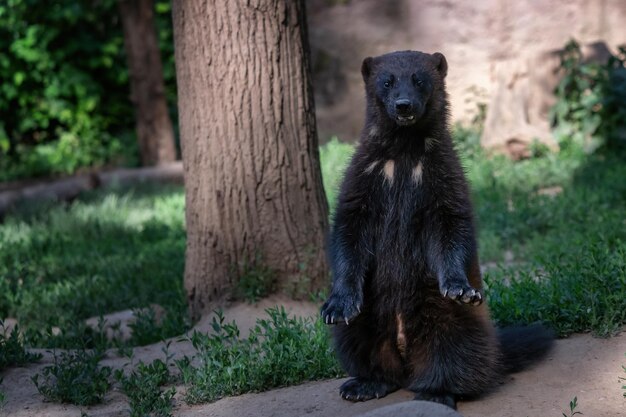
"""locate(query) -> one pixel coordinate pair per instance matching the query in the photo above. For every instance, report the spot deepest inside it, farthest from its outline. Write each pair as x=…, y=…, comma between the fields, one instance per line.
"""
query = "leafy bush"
x=74, y=378
x=279, y=351
x=142, y=387
x=591, y=99
x=64, y=90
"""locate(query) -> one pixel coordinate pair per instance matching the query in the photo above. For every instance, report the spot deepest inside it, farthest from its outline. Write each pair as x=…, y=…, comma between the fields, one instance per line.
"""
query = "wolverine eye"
x=417, y=81
x=389, y=82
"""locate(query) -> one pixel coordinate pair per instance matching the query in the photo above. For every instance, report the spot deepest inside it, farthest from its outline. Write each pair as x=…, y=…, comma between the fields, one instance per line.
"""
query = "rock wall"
x=486, y=43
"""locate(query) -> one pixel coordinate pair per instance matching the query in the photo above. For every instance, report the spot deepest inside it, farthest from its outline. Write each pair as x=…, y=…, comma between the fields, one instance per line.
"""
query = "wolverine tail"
x=521, y=346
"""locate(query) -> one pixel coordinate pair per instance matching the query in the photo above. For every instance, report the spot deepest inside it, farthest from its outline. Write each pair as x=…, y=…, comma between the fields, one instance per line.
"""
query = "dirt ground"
x=580, y=366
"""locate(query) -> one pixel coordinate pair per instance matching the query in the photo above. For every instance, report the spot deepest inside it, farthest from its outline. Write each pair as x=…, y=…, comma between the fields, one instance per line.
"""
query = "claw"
x=347, y=321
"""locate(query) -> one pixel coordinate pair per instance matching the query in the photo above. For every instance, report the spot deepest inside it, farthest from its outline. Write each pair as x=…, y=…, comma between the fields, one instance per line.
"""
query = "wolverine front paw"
x=462, y=292
x=340, y=309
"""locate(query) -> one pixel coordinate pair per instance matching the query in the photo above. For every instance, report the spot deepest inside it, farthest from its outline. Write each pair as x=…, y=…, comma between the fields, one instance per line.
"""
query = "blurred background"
x=66, y=103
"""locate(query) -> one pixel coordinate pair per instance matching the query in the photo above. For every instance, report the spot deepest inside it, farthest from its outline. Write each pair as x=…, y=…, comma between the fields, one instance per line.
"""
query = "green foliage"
x=279, y=351
x=142, y=387
x=591, y=99
x=572, y=408
x=64, y=87
x=75, y=377
x=467, y=141
x=12, y=351
x=148, y=329
x=334, y=158
x=109, y=251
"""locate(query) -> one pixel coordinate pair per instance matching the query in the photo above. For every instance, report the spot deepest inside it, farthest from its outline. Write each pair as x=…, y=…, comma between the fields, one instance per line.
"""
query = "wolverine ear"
x=366, y=68
x=441, y=64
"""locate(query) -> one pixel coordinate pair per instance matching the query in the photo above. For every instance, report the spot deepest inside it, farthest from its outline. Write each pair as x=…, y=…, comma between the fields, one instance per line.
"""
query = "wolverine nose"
x=403, y=106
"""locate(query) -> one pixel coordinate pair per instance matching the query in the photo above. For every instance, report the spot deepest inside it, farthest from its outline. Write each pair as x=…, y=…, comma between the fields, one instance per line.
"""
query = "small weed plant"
x=75, y=377
x=279, y=351
x=12, y=351
x=143, y=389
x=572, y=408
x=256, y=280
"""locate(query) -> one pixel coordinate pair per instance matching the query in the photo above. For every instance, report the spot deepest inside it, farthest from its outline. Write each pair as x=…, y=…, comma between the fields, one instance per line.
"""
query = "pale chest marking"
x=401, y=337
x=417, y=173
x=388, y=170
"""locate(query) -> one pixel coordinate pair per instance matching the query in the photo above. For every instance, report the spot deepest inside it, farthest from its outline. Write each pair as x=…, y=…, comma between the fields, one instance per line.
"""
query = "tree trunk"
x=249, y=142
x=153, y=124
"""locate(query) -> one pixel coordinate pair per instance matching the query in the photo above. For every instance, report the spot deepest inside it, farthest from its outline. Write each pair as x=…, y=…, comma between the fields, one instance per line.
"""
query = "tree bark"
x=153, y=125
x=249, y=142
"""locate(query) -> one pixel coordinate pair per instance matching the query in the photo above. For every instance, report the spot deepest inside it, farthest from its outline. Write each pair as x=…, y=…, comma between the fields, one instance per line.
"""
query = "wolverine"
x=407, y=294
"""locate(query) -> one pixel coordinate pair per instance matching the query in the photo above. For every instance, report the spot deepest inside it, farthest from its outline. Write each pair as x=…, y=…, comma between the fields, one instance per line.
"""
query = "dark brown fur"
x=407, y=289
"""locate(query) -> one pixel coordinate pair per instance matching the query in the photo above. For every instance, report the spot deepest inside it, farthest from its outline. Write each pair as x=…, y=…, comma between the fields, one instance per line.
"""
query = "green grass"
x=279, y=351
x=110, y=250
x=568, y=250
x=75, y=377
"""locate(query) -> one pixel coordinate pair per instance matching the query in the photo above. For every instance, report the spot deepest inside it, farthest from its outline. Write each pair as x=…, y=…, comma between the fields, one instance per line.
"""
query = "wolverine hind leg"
x=465, y=364
x=370, y=358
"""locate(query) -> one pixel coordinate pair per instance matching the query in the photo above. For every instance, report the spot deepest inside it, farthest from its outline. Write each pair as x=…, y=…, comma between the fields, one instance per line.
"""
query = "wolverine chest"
x=401, y=203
